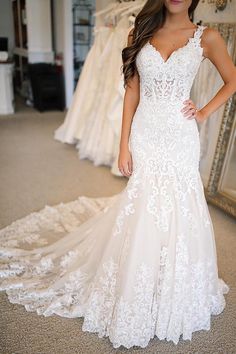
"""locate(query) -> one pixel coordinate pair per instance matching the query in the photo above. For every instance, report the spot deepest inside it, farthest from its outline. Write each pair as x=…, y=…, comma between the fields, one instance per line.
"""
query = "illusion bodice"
x=169, y=80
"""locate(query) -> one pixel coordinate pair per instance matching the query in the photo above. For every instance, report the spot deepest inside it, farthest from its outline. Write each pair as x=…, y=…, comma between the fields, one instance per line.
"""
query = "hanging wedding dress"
x=88, y=123
x=141, y=262
x=82, y=103
x=98, y=138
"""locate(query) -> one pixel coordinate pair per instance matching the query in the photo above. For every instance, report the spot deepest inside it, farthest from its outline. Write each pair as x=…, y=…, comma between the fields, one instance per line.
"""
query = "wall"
x=39, y=31
x=210, y=129
x=58, y=23
x=68, y=51
x=6, y=23
x=206, y=12
x=63, y=34
x=63, y=41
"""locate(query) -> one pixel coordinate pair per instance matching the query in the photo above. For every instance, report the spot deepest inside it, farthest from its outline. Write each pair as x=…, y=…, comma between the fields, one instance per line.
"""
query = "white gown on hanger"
x=141, y=262
x=82, y=102
x=97, y=142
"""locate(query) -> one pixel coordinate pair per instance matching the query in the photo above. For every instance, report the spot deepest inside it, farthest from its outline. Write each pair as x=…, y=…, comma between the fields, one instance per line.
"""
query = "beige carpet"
x=36, y=170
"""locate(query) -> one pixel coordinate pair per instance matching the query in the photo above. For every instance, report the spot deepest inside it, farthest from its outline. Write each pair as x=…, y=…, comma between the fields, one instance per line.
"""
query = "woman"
x=141, y=263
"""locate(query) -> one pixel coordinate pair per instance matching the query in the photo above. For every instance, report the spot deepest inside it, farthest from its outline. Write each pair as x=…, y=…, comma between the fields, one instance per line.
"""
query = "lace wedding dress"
x=97, y=141
x=141, y=262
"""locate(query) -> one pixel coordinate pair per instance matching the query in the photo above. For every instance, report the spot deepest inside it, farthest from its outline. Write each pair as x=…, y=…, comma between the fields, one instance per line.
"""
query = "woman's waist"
x=162, y=116
x=162, y=104
x=159, y=108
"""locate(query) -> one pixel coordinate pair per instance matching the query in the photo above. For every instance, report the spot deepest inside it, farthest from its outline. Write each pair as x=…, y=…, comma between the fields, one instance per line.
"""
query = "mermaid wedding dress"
x=141, y=262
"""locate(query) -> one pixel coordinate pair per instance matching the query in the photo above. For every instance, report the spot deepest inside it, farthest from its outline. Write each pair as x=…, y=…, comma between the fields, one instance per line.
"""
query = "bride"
x=141, y=263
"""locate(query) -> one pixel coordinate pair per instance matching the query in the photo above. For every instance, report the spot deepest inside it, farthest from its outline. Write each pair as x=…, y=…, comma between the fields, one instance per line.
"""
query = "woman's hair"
x=149, y=19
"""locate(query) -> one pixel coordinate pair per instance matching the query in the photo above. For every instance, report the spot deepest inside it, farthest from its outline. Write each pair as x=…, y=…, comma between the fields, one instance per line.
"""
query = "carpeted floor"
x=36, y=170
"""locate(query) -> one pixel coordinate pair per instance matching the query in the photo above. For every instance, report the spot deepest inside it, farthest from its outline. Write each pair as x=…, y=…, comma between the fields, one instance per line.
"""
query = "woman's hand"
x=125, y=162
x=190, y=111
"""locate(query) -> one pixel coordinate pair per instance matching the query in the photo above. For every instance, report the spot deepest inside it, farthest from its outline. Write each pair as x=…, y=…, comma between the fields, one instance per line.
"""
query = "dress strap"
x=197, y=35
x=200, y=30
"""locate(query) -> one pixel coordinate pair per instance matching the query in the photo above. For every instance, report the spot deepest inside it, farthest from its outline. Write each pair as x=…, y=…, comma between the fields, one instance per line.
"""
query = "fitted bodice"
x=171, y=80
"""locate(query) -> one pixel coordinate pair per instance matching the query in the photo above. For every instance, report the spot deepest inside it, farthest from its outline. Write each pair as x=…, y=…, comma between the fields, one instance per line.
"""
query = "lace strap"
x=198, y=33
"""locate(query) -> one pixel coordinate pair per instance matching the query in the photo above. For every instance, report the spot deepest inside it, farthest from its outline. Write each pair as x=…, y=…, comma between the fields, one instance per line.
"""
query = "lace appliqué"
x=96, y=257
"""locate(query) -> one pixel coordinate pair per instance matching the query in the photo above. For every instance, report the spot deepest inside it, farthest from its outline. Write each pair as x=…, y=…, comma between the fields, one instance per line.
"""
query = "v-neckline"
x=174, y=51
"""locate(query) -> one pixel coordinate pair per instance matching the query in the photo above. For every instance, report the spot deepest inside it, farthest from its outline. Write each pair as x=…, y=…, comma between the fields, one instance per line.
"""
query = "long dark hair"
x=149, y=19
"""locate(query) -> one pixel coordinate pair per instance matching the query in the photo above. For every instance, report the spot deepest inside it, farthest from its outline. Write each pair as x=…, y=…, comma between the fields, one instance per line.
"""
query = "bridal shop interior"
x=61, y=100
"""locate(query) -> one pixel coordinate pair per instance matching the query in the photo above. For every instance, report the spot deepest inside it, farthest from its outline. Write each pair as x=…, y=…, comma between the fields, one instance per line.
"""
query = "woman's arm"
x=215, y=49
x=130, y=103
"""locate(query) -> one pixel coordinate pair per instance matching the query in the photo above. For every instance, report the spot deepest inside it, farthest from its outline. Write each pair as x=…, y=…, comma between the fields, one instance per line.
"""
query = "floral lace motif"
x=140, y=263
x=151, y=307
x=169, y=80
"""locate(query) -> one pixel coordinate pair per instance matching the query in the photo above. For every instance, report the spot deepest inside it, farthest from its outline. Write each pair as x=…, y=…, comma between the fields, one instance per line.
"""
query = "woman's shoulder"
x=211, y=36
x=212, y=42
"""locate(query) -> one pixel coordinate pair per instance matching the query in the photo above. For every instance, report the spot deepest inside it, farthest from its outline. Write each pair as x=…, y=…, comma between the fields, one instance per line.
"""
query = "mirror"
x=221, y=189
x=227, y=183
x=217, y=134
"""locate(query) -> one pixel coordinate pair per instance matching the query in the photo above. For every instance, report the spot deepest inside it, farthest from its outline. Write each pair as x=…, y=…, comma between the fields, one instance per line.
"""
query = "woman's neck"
x=177, y=21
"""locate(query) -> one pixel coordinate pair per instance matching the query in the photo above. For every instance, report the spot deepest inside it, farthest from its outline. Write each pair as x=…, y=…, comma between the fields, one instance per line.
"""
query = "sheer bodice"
x=169, y=80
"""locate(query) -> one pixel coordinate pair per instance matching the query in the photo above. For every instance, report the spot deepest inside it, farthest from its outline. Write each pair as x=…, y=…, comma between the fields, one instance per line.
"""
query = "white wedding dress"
x=141, y=262
x=97, y=142
x=82, y=105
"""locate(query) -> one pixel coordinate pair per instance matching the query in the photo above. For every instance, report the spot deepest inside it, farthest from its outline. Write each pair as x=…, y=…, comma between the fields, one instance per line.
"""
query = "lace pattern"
x=141, y=263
